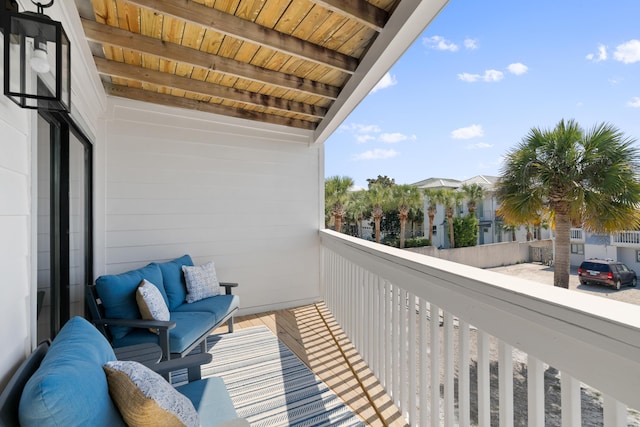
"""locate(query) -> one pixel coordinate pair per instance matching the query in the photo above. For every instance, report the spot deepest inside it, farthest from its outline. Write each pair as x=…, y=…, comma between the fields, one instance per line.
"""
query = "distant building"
x=491, y=226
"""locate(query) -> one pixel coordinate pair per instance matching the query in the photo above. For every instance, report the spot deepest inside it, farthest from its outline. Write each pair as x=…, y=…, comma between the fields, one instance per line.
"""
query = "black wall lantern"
x=37, y=59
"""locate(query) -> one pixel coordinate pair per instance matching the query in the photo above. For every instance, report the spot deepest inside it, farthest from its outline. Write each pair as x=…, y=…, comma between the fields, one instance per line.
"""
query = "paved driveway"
x=543, y=274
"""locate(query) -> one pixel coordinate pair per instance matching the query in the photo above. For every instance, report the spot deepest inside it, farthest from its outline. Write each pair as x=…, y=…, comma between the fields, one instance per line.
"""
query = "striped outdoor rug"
x=269, y=385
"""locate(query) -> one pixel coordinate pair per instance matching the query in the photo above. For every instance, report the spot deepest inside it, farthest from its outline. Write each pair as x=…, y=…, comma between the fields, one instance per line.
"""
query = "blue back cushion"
x=118, y=294
x=173, y=279
x=70, y=388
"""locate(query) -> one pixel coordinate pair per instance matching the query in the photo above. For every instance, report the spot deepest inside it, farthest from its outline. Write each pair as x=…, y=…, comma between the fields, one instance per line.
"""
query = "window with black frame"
x=64, y=226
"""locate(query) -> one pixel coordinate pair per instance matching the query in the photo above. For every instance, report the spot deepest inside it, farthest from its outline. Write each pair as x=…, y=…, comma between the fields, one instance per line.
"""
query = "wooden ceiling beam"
x=105, y=34
x=172, y=81
x=242, y=29
x=360, y=10
x=193, y=104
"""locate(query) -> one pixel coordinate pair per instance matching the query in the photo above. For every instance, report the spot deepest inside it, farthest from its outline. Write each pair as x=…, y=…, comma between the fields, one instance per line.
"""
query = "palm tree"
x=378, y=196
x=336, y=189
x=450, y=199
x=358, y=206
x=405, y=197
x=475, y=194
x=575, y=174
x=433, y=197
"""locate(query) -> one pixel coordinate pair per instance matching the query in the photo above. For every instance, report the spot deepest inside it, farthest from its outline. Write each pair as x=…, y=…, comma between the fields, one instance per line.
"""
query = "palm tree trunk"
x=450, y=221
x=360, y=228
x=403, y=227
x=431, y=229
x=377, y=224
x=338, y=221
x=562, y=255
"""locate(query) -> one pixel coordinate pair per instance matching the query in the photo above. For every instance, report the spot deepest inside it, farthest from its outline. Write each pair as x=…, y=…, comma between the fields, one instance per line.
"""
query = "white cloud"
x=386, y=81
x=469, y=132
x=392, y=138
x=471, y=43
x=489, y=76
x=376, y=154
x=600, y=56
x=439, y=43
x=628, y=52
x=361, y=139
x=360, y=128
x=466, y=77
x=518, y=68
x=634, y=102
x=479, y=146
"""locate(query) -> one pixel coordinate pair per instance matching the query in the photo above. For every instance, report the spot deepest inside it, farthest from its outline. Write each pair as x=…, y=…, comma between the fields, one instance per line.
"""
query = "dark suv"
x=612, y=273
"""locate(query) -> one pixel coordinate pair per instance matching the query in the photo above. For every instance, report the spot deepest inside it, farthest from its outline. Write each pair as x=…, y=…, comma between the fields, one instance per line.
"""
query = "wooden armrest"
x=187, y=362
x=137, y=323
x=228, y=286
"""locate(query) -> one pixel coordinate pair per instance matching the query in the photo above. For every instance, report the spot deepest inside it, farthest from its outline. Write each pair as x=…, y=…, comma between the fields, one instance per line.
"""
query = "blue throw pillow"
x=173, y=280
x=70, y=387
x=118, y=294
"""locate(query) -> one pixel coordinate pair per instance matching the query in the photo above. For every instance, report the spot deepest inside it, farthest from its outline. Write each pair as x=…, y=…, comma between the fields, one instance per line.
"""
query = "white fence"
x=432, y=332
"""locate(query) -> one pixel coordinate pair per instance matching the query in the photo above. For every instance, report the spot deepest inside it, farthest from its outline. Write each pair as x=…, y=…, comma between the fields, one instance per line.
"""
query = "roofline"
x=405, y=25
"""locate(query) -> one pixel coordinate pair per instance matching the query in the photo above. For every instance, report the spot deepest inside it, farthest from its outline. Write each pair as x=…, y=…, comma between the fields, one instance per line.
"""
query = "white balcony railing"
x=626, y=238
x=386, y=301
x=577, y=234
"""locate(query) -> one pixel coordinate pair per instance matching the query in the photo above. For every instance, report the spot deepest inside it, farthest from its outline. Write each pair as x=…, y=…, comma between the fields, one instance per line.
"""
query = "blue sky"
x=481, y=76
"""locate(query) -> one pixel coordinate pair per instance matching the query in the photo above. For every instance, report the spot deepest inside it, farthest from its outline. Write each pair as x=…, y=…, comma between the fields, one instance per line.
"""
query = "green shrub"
x=465, y=231
x=417, y=242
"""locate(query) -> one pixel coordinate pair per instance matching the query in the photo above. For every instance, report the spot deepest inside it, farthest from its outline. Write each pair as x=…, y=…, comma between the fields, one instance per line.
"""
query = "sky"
x=481, y=76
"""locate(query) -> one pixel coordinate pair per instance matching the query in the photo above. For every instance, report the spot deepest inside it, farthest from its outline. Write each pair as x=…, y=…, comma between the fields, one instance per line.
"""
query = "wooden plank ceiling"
x=273, y=61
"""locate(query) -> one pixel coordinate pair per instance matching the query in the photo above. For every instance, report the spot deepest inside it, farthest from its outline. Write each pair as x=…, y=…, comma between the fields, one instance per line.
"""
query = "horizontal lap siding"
x=247, y=199
x=15, y=237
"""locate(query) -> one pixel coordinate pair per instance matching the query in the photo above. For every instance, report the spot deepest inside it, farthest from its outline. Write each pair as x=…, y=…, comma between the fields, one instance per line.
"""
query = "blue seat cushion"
x=211, y=399
x=173, y=279
x=219, y=306
x=189, y=327
x=118, y=294
x=70, y=387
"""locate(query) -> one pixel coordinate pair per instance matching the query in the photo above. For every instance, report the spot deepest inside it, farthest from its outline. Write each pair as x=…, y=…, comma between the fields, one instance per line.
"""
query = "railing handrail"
x=594, y=339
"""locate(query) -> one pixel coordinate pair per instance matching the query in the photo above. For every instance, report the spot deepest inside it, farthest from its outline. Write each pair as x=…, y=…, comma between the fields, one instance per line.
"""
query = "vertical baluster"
x=403, y=352
x=449, y=370
x=358, y=321
x=615, y=412
x=395, y=346
x=424, y=350
x=387, y=335
x=570, y=398
x=370, y=316
x=464, y=388
x=434, y=329
x=505, y=366
x=377, y=330
x=411, y=401
x=484, y=392
x=535, y=392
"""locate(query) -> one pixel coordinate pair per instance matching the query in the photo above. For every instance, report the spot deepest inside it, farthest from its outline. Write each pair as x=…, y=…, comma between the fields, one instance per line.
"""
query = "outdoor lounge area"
x=197, y=127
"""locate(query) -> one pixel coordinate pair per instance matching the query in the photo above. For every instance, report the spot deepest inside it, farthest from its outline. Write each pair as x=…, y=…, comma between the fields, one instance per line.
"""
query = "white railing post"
x=505, y=366
x=434, y=340
x=570, y=398
x=535, y=392
x=484, y=391
x=449, y=369
x=464, y=387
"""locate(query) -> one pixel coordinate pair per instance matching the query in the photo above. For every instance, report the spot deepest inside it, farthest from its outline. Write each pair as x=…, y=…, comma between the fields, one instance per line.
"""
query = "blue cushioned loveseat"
x=67, y=386
x=113, y=307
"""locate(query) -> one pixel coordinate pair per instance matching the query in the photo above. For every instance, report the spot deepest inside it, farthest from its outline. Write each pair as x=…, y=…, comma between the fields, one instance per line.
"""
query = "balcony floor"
x=309, y=332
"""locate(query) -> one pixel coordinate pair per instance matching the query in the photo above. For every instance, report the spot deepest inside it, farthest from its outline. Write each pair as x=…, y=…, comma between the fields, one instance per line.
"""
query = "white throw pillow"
x=144, y=398
x=151, y=304
x=202, y=281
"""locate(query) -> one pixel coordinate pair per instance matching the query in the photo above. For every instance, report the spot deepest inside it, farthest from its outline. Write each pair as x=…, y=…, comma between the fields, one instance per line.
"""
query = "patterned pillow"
x=151, y=303
x=144, y=398
x=202, y=281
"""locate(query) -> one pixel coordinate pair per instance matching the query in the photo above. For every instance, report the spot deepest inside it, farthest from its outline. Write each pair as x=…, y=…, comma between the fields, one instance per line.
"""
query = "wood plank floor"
x=313, y=335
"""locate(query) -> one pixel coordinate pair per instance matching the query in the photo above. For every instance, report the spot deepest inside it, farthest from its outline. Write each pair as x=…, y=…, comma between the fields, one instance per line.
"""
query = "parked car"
x=608, y=272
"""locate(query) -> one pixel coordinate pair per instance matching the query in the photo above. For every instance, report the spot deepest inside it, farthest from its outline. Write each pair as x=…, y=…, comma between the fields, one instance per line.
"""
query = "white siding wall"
x=15, y=236
x=243, y=195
